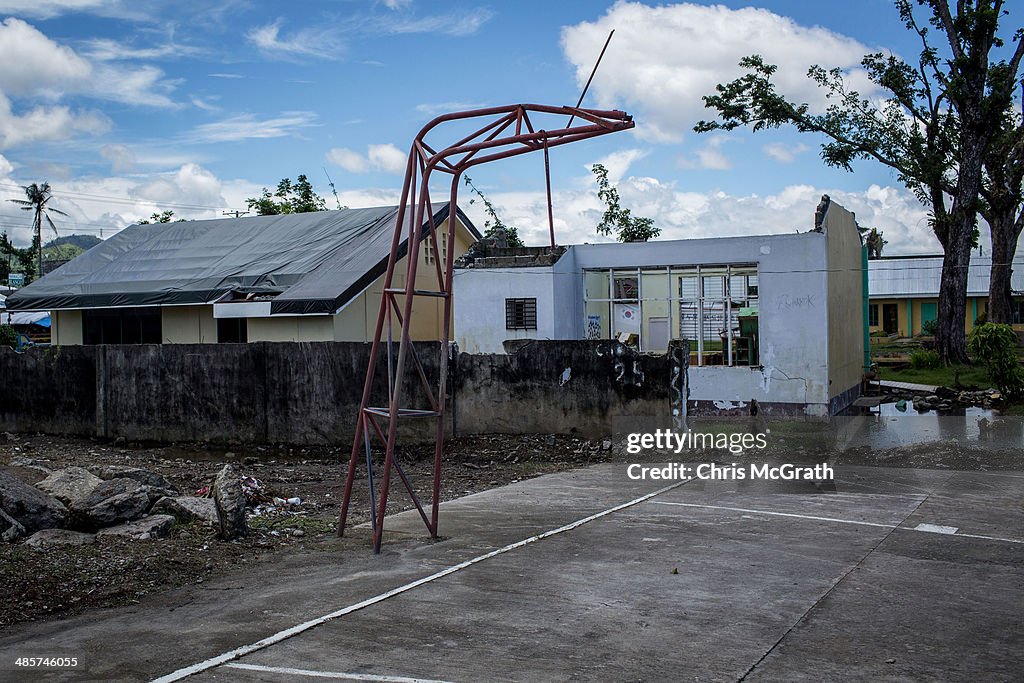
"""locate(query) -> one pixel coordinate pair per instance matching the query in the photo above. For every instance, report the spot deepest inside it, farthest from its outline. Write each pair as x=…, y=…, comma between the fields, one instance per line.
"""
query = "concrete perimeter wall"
x=309, y=392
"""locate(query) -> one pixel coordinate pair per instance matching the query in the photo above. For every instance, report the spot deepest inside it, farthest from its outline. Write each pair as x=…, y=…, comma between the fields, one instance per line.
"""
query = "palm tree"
x=38, y=196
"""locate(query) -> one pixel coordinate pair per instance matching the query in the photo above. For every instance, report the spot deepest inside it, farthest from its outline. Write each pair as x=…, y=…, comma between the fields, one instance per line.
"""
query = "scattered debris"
x=48, y=537
x=230, y=500
x=32, y=508
x=152, y=526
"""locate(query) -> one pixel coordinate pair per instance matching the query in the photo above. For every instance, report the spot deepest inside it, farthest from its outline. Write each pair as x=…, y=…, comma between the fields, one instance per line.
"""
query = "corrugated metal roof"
x=315, y=262
x=915, y=276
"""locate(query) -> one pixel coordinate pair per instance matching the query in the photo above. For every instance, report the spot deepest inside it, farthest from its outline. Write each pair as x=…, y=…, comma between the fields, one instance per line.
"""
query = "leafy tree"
x=995, y=345
x=935, y=126
x=161, y=217
x=297, y=197
x=1003, y=210
x=15, y=260
x=494, y=224
x=617, y=220
x=37, y=198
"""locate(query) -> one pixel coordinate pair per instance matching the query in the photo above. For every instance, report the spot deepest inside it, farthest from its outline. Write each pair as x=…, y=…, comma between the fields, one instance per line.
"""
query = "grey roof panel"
x=919, y=277
x=316, y=260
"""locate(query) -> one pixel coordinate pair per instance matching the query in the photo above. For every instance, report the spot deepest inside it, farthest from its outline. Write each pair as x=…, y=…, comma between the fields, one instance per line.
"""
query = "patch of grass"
x=969, y=376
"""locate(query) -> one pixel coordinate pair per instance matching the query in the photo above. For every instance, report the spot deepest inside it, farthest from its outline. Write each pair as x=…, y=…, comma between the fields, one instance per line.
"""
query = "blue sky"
x=127, y=108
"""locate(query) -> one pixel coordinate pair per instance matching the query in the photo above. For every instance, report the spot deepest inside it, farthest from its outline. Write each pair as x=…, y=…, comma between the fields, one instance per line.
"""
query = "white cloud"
x=121, y=158
x=709, y=157
x=618, y=163
x=321, y=43
x=783, y=153
x=6, y=167
x=48, y=70
x=663, y=59
x=45, y=9
x=247, y=127
x=384, y=157
x=438, y=108
x=396, y=4
x=464, y=23
x=42, y=124
x=687, y=215
x=104, y=49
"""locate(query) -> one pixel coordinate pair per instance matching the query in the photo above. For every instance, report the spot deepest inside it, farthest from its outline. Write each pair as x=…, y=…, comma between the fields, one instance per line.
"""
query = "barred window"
x=520, y=314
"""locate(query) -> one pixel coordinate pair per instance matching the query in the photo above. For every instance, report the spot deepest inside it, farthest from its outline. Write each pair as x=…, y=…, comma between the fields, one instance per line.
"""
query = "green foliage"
x=930, y=327
x=925, y=360
x=36, y=199
x=15, y=260
x=8, y=337
x=617, y=220
x=297, y=197
x=161, y=217
x=982, y=318
x=494, y=223
x=942, y=118
x=995, y=346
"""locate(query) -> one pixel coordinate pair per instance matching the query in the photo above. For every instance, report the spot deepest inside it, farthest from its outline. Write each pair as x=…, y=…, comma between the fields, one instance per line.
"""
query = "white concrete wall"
x=793, y=321
x=792, y=312
x=480, y=295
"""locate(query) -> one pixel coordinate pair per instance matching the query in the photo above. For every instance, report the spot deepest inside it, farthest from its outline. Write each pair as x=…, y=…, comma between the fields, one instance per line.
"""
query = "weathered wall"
x=559, y=386
x=309, y=392
x=845, y=307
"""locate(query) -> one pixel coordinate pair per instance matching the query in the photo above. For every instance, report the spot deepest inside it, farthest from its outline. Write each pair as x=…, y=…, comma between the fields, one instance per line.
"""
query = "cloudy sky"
x=129, y=107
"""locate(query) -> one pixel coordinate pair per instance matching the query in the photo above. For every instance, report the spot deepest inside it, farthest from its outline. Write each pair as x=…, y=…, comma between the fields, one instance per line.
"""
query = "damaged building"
x=777, y=319
x=296, y=277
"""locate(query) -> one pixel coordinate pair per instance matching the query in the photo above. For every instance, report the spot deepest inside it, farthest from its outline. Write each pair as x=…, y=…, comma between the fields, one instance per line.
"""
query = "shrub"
x=8, y=337
x=930, y=327
x=982, y=318
x=995, y=346
x=925, y=360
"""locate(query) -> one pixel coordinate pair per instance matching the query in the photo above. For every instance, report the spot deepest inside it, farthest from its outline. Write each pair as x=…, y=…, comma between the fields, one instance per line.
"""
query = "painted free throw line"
x=925, y=528
x=226, y=657
x=344, y=676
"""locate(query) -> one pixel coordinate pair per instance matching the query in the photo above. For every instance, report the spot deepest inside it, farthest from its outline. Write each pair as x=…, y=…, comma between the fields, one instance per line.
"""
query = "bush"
x=925, y=360
x=982, y=318
x=8, y=337
x=995, y=346
x=930, y=327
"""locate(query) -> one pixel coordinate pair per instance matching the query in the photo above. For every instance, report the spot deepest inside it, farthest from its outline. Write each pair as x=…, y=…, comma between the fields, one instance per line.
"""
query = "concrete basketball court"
x=899, y=575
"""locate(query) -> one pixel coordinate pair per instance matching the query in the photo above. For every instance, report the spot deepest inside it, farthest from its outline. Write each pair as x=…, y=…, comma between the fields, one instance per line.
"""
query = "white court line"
x=192, y=669
x=838, y=520
x=330, y=674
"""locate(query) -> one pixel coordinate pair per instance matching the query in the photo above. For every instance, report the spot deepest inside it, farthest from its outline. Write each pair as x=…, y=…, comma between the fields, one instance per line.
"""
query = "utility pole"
x=236, y=213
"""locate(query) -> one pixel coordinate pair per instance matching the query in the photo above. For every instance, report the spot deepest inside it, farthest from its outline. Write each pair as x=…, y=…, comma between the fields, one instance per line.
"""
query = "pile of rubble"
x=945, y=398
x=75, y=505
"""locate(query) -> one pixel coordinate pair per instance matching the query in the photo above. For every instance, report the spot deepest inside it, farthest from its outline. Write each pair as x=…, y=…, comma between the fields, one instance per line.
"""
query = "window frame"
x=524, y=318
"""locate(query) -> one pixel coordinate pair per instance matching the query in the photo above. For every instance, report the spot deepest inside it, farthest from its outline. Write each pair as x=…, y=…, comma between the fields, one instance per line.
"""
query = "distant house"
x=297, y=277
x=904, y=292
x=774, y=318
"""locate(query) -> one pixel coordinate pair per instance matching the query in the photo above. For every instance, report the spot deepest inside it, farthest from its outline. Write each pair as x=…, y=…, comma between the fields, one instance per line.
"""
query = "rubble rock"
x=95, y=503
x=144, y=477
x=32, y=508
x=10, y=528
x=30, y=464
x=187, y=509
x=230, y=501
x=152, y=526
x=48, y=537
x=114, y=501
x=71, y=486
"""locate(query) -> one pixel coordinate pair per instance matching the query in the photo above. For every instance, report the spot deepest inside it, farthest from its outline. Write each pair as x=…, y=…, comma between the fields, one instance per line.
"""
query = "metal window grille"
x=520, y=314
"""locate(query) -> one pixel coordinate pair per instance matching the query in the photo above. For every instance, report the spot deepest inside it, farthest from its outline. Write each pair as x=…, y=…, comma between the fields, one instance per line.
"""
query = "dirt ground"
x=56, y=582
x=59, y=581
